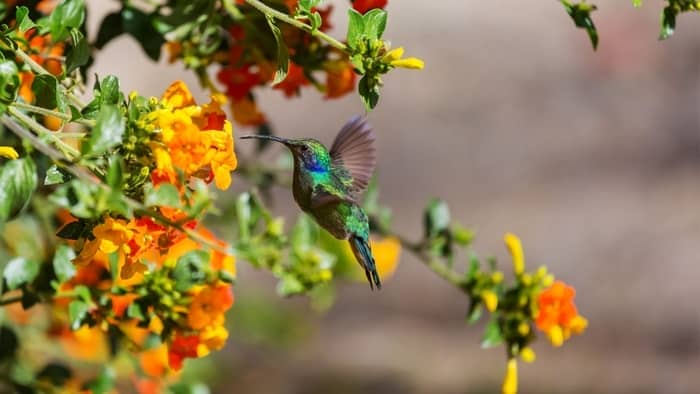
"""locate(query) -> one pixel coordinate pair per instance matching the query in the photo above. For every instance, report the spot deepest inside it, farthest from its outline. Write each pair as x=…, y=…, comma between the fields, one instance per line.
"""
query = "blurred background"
x=592, y=158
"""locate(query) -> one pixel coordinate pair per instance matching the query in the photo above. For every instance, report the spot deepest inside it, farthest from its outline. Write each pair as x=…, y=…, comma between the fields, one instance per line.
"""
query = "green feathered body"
x=314, y=176
x=327, y=185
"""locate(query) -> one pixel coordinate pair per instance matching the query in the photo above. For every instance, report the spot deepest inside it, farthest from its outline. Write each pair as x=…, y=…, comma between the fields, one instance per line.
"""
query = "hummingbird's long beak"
x=266, y=137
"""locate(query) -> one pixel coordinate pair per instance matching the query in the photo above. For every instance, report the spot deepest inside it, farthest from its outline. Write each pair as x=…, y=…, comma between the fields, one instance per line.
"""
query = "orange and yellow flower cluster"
x=131, y=259
x=194, y=140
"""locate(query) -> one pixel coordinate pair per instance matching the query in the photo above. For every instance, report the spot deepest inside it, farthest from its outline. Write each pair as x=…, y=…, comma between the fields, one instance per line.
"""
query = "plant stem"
x=269, y=11
x=41, y=111
x=43, y=132
x=10, y=300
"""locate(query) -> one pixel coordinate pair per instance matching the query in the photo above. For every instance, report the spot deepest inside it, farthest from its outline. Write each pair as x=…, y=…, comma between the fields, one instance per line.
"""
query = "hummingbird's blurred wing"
x=353, y=150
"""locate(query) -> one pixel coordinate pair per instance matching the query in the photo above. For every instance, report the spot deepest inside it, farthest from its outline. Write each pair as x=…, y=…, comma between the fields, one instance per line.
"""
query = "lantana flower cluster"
x=245, y=64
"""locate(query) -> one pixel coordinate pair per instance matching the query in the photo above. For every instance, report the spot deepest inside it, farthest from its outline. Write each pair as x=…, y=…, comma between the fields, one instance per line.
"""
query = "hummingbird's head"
x=308, y=152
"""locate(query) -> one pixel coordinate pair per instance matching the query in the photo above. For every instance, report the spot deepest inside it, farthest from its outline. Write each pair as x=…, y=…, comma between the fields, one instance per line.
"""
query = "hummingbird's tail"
x=363, y=254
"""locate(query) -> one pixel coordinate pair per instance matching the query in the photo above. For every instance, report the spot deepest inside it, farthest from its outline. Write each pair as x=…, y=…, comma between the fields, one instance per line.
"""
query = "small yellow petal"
x=515, y=248
x=510, y=381
x=556, y=336
x=578, y=324
x=393, y=55
x=524, y=329
x=528, y=355
x=409, y=62
x=8, y=152
x=490, y=300
x=156, y=325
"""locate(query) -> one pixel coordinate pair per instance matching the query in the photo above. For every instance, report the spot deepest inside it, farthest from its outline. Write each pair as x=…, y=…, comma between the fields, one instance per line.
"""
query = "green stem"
x=41, y=111
x=10, y=300
x=269, y=11
x=43, y=132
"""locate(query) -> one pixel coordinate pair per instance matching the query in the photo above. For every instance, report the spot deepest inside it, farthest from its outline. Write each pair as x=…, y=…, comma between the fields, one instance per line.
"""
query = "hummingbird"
x=328, y=185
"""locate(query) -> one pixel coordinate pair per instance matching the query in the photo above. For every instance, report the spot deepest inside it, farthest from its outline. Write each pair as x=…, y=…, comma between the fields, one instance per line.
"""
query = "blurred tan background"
x=592, y=158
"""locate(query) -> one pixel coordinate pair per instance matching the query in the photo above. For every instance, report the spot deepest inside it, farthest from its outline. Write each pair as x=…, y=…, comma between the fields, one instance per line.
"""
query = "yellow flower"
x=515, y=248
x=113, y=233
x=395, y=58
x=386, y=255
x=490, y=300
x=178, y=95
x=88, y=252
x=8, y=152
x=557, y=314
x=211, y=338
x=510, y=381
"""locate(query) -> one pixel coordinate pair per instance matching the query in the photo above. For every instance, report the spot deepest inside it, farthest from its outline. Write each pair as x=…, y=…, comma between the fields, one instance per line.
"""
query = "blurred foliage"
x=580, y=13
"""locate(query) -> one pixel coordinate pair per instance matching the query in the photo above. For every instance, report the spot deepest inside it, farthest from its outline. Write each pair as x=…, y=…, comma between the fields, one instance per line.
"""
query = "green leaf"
x=111, y=27
x=77, y=312
x=79, y=53
x=282, y=52
x=492, y=334
x=9, y=82
x=108, y=131
x=581, y=15
x=63, y=263
x=9, y=343
x=190, y=269
x=474, y=313
x=103, y=383
x=23, y=20
x=668, y=22
x=374, y=23
x=68, y=14
x=73, y=230
x=139, y=25
x=307, y=5
x=18, y=180
x=289, y=285
x=55, y=176
x=437, y=218
x=134, y=311
x=109, y=90
x=46, y=90
x=164, y=194
x=356, y=28
x=57, y=374
x=115, y=169
x=369, y=92
x=20, y=271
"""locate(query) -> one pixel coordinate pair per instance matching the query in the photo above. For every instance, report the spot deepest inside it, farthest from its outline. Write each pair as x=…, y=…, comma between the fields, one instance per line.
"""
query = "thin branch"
x=269, y=11
x=10, y=300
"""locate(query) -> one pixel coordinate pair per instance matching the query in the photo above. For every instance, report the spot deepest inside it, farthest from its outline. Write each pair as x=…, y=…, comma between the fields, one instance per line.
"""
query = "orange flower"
x=557, y=315
x=154, y=361
x=362, y=6
x=120, y=303
x=182, y=346
x=208, y=306
x=87, y=344
x=293, y=82
x=196, y=140
x=340, y=79
x=246, y=112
